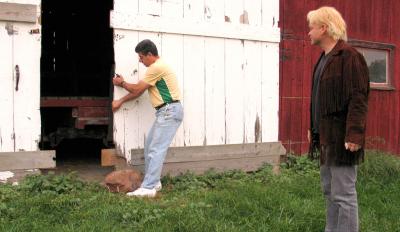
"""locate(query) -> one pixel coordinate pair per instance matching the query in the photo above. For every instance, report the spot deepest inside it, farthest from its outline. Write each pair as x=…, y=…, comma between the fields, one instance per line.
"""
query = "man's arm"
x=135, y=90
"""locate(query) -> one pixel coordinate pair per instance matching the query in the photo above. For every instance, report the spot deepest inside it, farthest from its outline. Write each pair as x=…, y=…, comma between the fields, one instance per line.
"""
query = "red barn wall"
x=369, y=20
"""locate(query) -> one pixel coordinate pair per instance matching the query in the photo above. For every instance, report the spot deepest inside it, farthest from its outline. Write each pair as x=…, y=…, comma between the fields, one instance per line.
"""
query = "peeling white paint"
x=20, y=121
x=228, y=71
x=5, y=175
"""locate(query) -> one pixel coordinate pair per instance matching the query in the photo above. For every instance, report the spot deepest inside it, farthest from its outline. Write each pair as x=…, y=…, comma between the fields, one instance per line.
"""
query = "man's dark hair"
x=145, y=47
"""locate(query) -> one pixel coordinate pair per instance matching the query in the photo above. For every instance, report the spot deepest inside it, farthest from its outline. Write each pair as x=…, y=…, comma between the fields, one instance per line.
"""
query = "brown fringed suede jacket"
x=343, y=99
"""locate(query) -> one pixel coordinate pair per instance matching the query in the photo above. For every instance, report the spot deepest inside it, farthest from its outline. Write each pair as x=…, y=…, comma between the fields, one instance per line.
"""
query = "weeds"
x=52, y=184
x=230, y=201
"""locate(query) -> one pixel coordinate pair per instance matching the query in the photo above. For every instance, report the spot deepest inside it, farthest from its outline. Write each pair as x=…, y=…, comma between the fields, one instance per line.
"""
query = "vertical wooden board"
x=252, y=92
x=214, y=91
x=150, y=7
x=126, y=64
x=312, y=53
x=233, y=11
x=172, y=53
x=193, y=10
x=172, y=9
x=295, y=148
x=270, y=13
x=288, y=69
x=146, y=112
x=214, y=11
x=234, y=113
x=393, y=119
x=380, y=20
x=253, y=8
x=384, y=119
x=395, y=38
x=395, y=31
x=214, y=77
x=284, y=125
x=294, y=18
x=305, y=120
x=193, y=90
x=270, y=92
x=129, y=6
x=372, y=123
x=27, y=120
x=295, y=119
x=292, y=56
x=297, y=78
x=6, y=91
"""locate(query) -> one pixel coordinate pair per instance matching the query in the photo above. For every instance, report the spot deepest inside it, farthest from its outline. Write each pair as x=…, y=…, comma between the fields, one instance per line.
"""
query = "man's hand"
x=116, y=104
x=118, y=80
x=352, y=146
x=309, y=136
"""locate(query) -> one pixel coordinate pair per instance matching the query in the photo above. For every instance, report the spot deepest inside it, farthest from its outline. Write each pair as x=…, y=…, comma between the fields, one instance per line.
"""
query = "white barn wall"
x=228, y=71
x=20, y=123
x=6, y=91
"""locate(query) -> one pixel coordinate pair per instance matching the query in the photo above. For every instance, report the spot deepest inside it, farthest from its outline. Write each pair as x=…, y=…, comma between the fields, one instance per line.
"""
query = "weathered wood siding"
x=226, y=56
x=20, y=56
x=371, y=20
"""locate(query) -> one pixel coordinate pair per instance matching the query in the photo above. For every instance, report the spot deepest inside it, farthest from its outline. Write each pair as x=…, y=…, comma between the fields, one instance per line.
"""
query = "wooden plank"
x=234, y=81
x=234, y=99
x=305, y=122
x=18, y=12
x=270, y=92
x=245, y=164
x=122, y=20
x=215, y=152
x=214, y=91
x=108, y=157
x=27, y=160
x=6, y=91
x=126, y=64
x=194, y=92
x=172, y=53
x=246, y=157
x=252, y=84
x=27, y=121
x=395, y=38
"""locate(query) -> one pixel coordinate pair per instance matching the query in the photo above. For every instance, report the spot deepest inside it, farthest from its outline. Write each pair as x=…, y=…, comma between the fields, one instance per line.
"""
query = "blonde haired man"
x=339, y=104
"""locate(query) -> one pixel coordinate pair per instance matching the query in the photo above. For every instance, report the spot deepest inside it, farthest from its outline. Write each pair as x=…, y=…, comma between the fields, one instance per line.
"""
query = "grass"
x=231, y=201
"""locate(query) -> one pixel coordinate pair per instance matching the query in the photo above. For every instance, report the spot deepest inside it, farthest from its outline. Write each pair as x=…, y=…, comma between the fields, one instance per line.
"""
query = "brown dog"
x=123, y=181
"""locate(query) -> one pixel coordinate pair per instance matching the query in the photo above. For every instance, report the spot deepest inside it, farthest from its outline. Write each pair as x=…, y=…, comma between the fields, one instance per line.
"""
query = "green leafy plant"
x=51, y=183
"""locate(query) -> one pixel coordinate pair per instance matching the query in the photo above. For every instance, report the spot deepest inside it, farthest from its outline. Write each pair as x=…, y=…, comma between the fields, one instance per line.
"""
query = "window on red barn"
x=379, y=58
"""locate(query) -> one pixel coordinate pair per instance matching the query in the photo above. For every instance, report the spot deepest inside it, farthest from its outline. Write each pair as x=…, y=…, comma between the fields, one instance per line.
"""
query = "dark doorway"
x=77, y=65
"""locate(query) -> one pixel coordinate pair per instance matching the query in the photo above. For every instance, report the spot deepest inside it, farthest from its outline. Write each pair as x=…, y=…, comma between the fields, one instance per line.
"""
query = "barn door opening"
x=77, y=64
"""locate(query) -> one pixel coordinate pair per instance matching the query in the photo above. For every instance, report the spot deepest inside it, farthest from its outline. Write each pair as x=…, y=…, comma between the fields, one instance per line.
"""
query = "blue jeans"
x=168, y=120
x=339, y=187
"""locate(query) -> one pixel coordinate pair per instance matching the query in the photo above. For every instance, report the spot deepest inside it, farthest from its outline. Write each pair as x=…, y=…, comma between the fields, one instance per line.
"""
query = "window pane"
x=377, y=64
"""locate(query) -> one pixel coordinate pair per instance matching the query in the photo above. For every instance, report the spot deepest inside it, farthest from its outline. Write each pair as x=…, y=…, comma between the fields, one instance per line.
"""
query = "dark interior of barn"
x=77, y=64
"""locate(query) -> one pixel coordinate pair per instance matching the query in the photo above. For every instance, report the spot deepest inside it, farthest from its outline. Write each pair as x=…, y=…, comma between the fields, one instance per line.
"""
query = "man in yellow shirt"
x=163, y=89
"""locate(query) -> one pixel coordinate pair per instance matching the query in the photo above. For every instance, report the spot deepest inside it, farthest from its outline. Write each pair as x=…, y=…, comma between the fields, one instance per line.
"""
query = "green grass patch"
x=230, y=201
